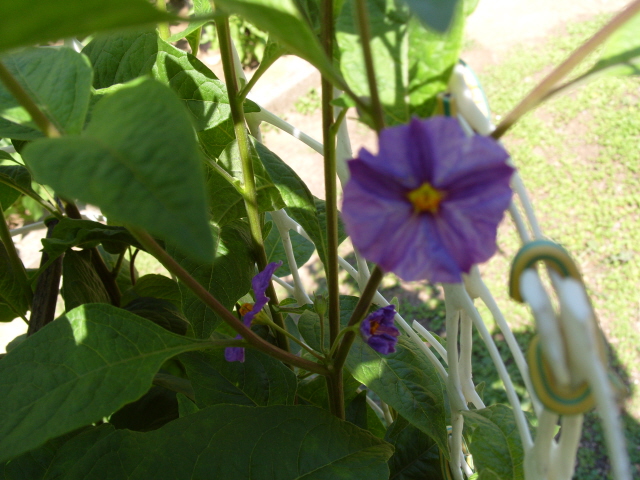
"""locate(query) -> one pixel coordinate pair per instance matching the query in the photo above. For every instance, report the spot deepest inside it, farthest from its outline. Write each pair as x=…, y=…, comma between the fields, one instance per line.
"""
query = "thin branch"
x=537, y=95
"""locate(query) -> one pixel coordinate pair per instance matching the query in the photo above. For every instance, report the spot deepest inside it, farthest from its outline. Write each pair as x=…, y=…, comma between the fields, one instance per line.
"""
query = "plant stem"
x=356, y=317
x=330, y=179
x=210, y=301
x=38, y=117
x=249, y=188
x=45, y=296
x=116, y=268
x=538, y=94
x=163, y=28
x=362, y=22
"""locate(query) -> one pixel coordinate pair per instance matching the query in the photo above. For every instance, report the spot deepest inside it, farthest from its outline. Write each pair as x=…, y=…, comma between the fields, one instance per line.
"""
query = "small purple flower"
x=259, y=284
x=379, y=331
x=429, y=204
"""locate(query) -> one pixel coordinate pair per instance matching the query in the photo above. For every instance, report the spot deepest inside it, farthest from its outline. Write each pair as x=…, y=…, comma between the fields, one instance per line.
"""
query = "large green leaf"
x=57, y=80
x=260, y=380
x=137, y=160
x=28, y=22
x=227, y=278
x=231, y=441
x=81, y=284
x=388, y=25
x=302, y=250
x=432, y=56
x=52, y=460
x=406, y=381
x=269, y=198
x=283, y=20
x=12, y=178
x=358, y=412
x=437, y=14
x=416, y=455
x=83, y=366
x=621, y=53
x=495, y=442
x=121, y=57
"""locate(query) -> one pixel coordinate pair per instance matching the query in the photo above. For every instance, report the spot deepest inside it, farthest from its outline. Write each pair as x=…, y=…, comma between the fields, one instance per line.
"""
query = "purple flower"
x=259, y=284
x=429, y=204
x=379, y=331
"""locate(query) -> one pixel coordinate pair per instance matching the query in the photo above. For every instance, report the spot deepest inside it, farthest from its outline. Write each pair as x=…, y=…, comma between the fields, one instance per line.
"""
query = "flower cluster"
x=428, y=205
x=259, y=284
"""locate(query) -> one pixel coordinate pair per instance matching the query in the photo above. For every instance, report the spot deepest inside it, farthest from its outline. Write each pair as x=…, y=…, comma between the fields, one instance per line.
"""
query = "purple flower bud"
x=428, y=205
x=379, y=331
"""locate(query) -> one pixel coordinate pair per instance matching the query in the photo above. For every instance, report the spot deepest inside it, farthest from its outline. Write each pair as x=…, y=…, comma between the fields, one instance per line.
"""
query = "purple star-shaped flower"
x=429, y=204
x=259, y=284
x=379, y=331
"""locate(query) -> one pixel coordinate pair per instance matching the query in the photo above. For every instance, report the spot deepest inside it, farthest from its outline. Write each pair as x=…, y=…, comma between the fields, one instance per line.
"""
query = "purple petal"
x=259, y=284
x=382, y=344
x=234, y=354
x=439, y=246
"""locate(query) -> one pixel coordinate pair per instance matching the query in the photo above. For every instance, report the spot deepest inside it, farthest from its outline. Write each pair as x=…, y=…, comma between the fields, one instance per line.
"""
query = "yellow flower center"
x=245, y=308
x=425, y=198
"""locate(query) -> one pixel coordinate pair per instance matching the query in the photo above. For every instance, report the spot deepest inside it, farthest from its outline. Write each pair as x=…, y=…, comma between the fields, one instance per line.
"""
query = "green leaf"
x=309, y=323
x=227, y=278
x=200, y=7
x=283, y=20
x=83, y=366
x=156, y=286
x=225, y=202
x=437, y=14
x=12, y=176
x=361, y=414
x=301, y=205
x=154, y=409
x=54, y=458
x=302, y=249
x=406, y=381
x=277, y=442
x=122, y=57
x=14, y=287
x=388, y=25
x=432, y=57
x=314, y=390
x=138, y=161
x=260, y=380
x=81, y=284
x=495, y=443
x=28, y=22
x=416, y=455
x=269, y=198
x=621, y=53
x=161, y=312
x=59, y=82
x=70, y=233
x=186, y=406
